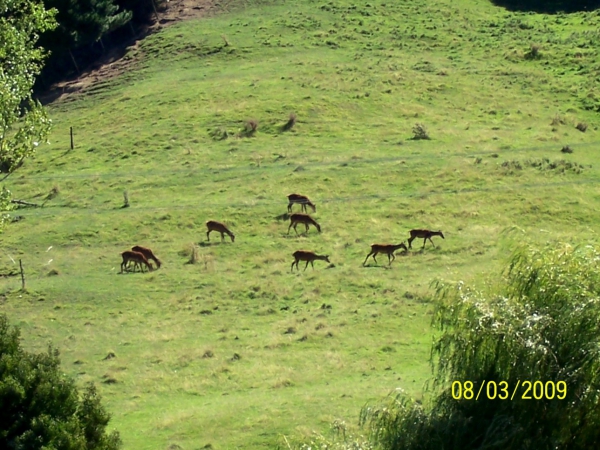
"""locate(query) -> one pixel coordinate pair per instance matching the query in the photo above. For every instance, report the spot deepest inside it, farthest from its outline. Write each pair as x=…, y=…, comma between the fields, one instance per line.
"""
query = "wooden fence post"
x=155, y=12
x=71, y=129
x=74, y=63
x=22, y=276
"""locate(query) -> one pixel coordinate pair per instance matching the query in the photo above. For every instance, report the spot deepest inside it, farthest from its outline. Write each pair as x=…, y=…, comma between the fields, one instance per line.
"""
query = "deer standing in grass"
x=137, y=258
x=297, y=218
x=148, y=254
x=425, y=234
x=388, y=249
x=301, y=200
x=309, y=257
x=219, y=227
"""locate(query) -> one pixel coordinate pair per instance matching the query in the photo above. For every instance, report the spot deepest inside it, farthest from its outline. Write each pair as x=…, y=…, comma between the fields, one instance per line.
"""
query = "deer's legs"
x=367, y=258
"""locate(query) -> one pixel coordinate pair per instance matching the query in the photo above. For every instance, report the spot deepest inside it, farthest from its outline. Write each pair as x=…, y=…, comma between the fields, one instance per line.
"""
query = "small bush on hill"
x=420, y=132
x=534, y=52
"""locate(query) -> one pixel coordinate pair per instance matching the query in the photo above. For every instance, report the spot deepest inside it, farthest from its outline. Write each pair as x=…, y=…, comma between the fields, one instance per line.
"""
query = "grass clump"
x=543, y=164
x=533, y=52
x=290, y=123
x=193, y=255
x=420, y=132
x=218, y=134
x=249, y=128
x=566, y=149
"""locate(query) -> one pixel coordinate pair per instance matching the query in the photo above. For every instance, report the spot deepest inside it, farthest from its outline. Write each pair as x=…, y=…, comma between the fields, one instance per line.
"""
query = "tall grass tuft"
x=420, y=132
x=290, y=123
x=193, y=252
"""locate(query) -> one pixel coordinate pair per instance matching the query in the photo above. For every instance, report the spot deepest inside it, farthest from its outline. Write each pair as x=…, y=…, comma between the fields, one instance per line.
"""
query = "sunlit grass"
x=358, y=79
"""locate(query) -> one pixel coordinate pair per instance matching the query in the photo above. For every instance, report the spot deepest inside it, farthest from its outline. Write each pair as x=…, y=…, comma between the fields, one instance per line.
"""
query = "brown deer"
x=388, y=249
x=137, y=258
x=309, y=257
x=425, y=234
x=148, y=254
x=297, y=218
x=301, y=200
x=219, y=227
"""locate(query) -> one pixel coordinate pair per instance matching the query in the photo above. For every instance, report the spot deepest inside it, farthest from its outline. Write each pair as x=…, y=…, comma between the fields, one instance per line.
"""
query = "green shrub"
x=540, y=323
x=40, y=407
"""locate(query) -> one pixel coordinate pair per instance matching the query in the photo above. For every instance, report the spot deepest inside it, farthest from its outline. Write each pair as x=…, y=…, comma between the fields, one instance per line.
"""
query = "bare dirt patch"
x=113, y=64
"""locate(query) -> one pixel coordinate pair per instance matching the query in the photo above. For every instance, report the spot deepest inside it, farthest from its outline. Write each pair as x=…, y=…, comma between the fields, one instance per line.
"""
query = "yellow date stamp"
x=530, y=390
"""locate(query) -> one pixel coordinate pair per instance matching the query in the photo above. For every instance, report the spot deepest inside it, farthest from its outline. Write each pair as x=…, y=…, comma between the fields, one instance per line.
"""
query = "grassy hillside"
x=235, y=351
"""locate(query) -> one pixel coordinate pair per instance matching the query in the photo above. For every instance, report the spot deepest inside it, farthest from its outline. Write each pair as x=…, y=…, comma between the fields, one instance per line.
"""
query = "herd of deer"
x=140, y=256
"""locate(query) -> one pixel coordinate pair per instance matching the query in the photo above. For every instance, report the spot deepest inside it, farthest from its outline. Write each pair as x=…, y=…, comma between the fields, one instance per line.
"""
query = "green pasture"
x=235, y=351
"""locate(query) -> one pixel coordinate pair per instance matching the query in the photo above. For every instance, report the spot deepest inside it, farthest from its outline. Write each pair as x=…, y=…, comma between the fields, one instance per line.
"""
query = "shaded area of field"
x=549, y=6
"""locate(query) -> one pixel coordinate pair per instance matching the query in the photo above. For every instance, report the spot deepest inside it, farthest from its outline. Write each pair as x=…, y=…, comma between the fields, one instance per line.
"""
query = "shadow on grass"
x=294, y=236
x=548, y=6
x=421, y=250
x=377, y=266
x=209, y=243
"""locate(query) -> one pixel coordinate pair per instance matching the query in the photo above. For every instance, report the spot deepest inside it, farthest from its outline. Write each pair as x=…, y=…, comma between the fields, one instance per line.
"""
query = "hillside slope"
x=235, y=351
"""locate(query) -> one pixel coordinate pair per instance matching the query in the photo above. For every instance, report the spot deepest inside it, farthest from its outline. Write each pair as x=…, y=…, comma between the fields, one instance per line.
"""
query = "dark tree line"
x=549, y=6
x=85, y=31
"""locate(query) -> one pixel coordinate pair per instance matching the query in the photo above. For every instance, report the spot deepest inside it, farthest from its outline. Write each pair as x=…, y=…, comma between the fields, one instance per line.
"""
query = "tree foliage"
x=40, y=407
x=541, y=323
x=81, y=22
x=549, y=6
x=141, y=9
x=23, y=121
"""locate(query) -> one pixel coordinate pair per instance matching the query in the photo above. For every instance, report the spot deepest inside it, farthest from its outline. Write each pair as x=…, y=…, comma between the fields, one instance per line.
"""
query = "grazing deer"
x=148, y=254
x=297, y=218
x=137, y=258
x=301, y=200
x=309, y=257
x=219, y=227
x=425, y=234
x=388, y=249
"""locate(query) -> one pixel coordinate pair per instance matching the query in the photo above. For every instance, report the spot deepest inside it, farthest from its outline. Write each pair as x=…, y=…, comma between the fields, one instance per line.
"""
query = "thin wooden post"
x=155, y=12
x=71, y=129
x=74, y=63
x=22, y=275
